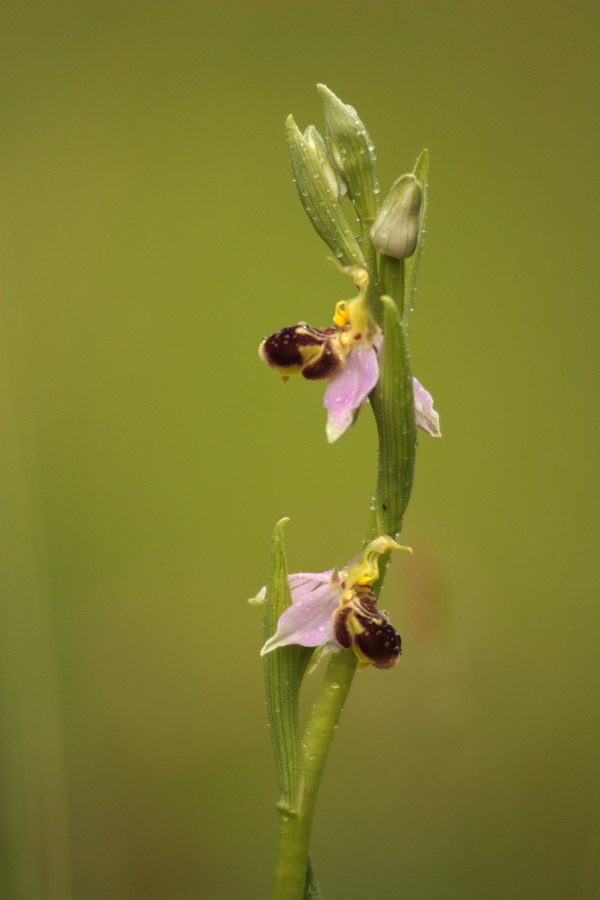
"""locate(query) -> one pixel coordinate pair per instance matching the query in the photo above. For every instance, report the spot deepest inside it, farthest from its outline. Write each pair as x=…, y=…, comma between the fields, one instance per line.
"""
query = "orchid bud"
x=395, y=231
x=319, y=147
x=318, y=198
x=352, y=152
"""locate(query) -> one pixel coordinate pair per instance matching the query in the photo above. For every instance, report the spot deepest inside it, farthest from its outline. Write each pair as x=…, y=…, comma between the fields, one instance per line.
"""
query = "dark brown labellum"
x=302, y=348
x=362, y=625
x=340, y=624
x=325, y=366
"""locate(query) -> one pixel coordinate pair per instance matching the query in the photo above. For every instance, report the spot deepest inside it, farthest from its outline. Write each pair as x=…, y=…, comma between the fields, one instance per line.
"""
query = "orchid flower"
x=337, y=610
x=347, y=354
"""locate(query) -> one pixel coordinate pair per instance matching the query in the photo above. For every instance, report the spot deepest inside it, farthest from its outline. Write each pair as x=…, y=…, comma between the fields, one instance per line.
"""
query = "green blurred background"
x=151, y=236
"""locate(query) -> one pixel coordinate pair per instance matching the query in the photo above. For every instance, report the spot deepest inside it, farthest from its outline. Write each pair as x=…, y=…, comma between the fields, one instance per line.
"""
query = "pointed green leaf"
x=311, y=887
x=284, y=669
x=394, y=408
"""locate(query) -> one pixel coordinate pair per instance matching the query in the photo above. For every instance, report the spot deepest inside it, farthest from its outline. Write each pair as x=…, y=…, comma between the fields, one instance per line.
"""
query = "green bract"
x=411, y=270
x=318, y=198
x=352, y=152
x=336, y=182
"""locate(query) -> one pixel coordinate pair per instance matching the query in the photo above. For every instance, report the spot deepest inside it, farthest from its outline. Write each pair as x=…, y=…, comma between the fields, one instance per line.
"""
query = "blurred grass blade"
x=411, y=265
x=34, y=838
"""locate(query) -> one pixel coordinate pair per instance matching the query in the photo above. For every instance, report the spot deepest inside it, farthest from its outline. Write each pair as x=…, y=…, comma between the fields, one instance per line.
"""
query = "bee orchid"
x=348, y=355
x=337, y=610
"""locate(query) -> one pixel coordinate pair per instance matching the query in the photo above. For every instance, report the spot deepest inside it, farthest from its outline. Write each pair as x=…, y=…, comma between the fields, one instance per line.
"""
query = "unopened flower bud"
x=352, y=152
x=319, y=147
x=319, y=199
x=395, y=231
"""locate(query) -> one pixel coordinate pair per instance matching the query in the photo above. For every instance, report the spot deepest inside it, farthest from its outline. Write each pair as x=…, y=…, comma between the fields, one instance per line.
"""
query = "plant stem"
x=294, y=832
x=391, y=274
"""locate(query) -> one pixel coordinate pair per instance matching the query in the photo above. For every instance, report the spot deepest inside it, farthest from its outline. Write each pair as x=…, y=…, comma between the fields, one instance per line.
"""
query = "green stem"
x=323, y=722
x=392, y=280
x=295, y=829
x=370, y=256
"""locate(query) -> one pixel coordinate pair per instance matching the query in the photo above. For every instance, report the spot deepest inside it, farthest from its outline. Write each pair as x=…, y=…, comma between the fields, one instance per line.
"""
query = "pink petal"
x=308, y=621
x=348, y=390
x=427, y=417
x=302, y=583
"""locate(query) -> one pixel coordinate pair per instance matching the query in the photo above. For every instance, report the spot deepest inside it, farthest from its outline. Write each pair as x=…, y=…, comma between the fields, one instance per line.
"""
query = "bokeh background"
x=151, y=236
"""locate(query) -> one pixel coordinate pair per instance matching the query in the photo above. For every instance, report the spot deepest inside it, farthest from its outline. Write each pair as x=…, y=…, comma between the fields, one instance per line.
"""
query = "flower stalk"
x=364, y=355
